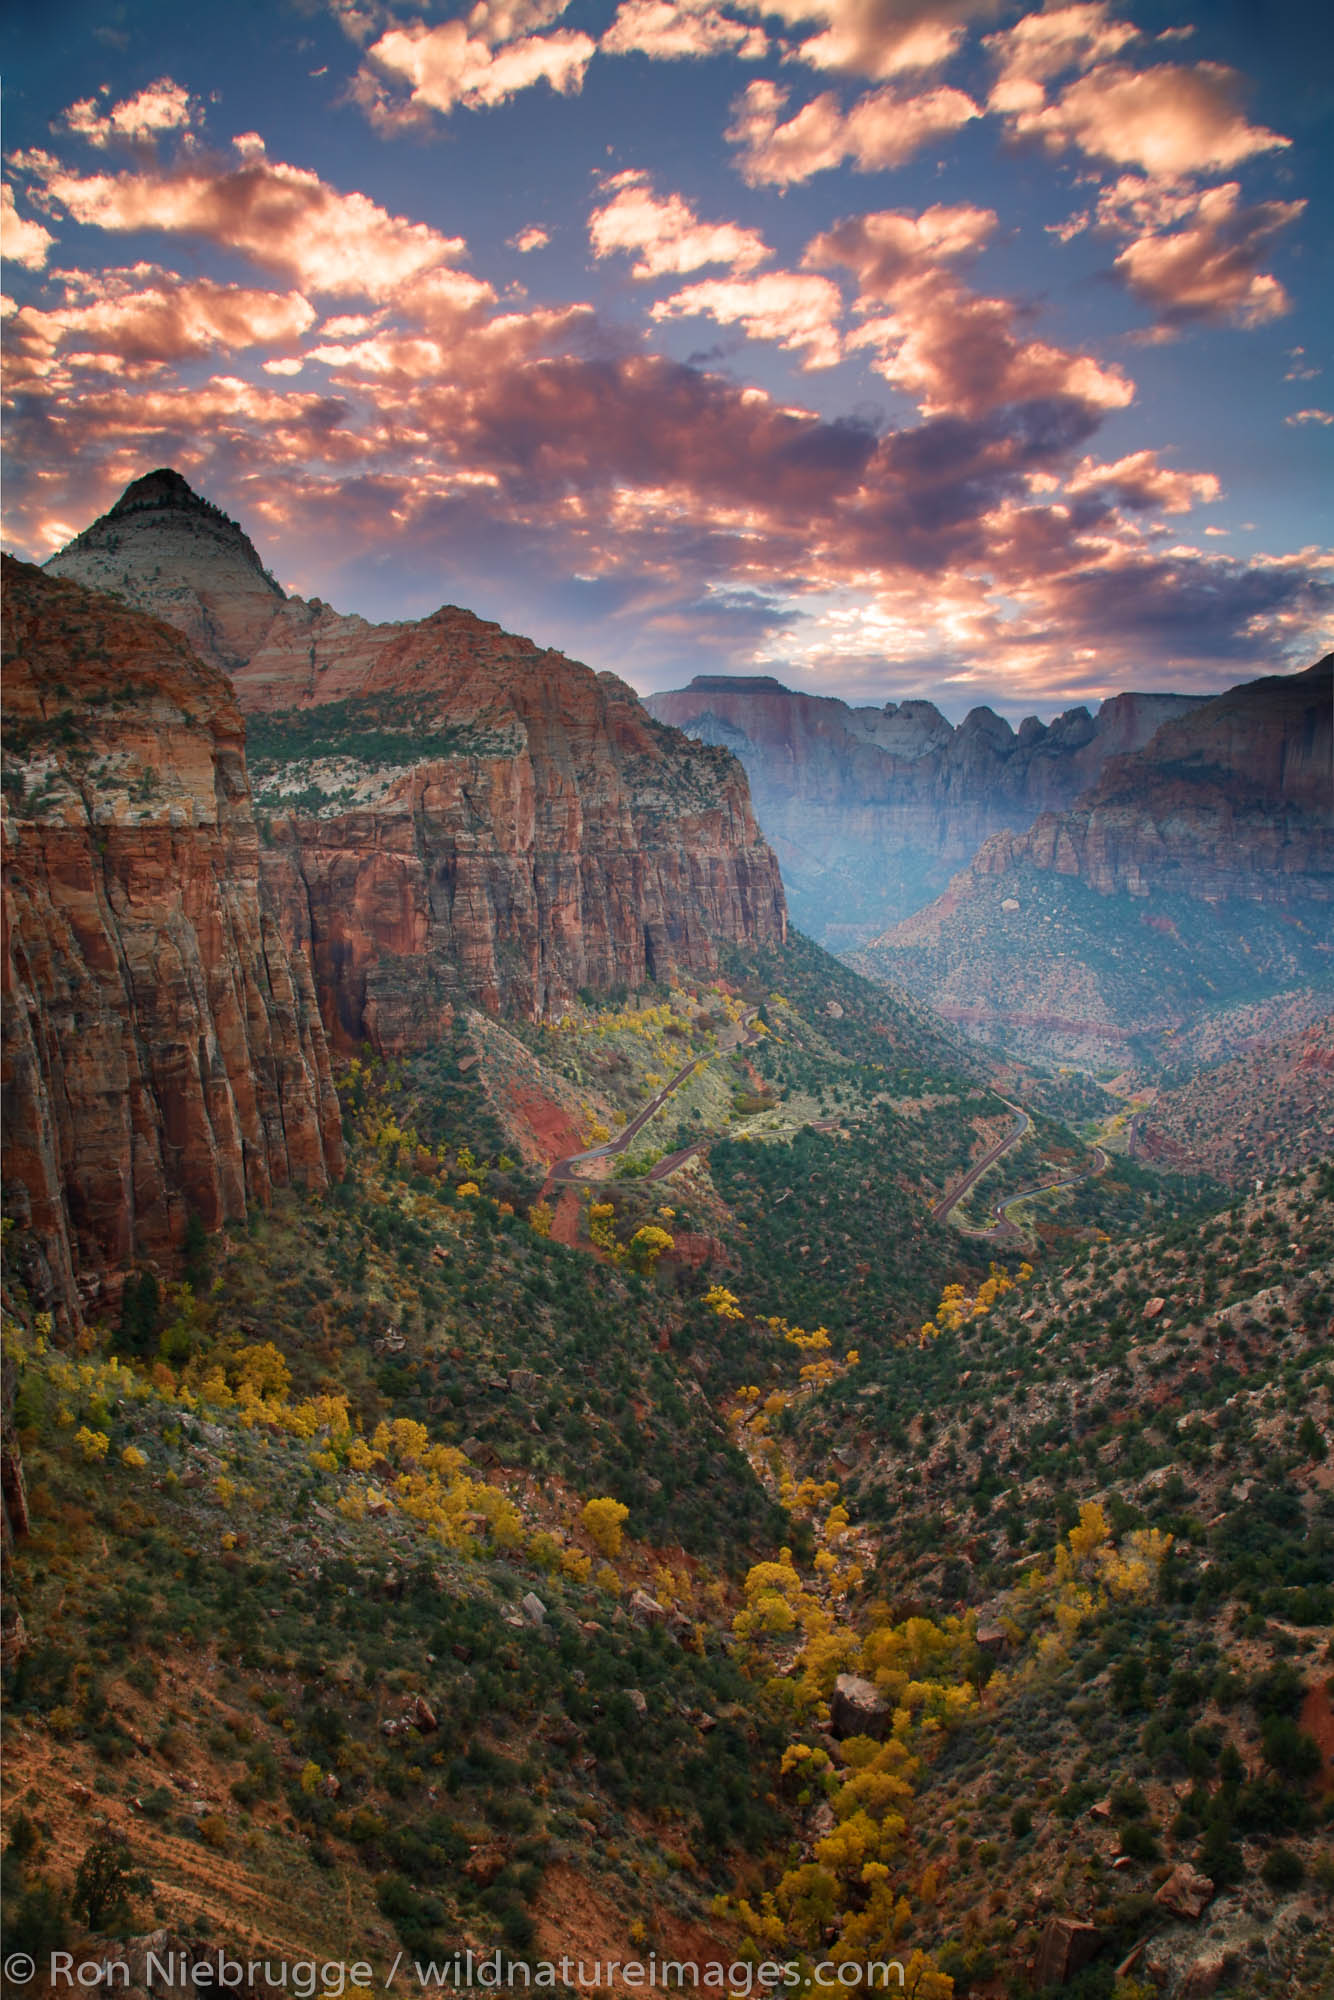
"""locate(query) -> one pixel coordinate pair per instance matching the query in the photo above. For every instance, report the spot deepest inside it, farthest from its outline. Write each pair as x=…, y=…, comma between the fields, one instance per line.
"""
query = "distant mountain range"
x=872, y=810
x=1197, y=875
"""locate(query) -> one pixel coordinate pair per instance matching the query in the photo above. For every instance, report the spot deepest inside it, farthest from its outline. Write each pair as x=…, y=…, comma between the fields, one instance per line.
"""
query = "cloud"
x=948, y=347
x=534, y=237
x=671, y=30
x=160, y=107
x=1170, y=119
x=283, y=218
x=1300, y=369
x=1042, y=46
x=23, y=241
x=878, y=38
x=667, y=233
x=798, y=311
x=1310, y=417
x=483, y=60
x=1139, y=481
x=144, y=315
x=892, y=249
x=881, y=129
x=1193, y=254
x=1208, y=270
x=952, y=350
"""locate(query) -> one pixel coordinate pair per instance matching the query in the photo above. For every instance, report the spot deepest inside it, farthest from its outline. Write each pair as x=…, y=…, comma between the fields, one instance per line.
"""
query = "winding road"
x=1002, y=1226
x=562, y=1172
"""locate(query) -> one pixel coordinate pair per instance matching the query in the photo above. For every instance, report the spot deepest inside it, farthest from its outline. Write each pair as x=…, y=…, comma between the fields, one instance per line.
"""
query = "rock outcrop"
x=871, y=810
x=163, y=1049
x=450, y=811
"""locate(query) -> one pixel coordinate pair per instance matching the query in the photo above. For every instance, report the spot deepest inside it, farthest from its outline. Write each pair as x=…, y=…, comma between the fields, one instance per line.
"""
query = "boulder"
x=1185, y=1893
x=1065, y=1948
x=534, y=1610
x=647, y=1609
x=859, y=1709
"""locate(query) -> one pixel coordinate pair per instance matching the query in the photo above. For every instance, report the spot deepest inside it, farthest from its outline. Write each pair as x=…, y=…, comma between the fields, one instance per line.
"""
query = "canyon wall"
x=163, y=1049
x=450, y=811
x=872, y=809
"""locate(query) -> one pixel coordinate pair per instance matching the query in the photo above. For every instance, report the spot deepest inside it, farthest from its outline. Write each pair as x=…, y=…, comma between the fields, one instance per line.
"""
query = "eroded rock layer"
x=450, y=811
x=163, y=1049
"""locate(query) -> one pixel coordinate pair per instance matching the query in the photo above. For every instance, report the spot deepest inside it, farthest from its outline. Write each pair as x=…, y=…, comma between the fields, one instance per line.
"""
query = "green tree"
x=107, y=1881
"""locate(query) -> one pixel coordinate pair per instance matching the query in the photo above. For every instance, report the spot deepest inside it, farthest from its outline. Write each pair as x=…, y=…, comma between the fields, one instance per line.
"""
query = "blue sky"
x=897, y=347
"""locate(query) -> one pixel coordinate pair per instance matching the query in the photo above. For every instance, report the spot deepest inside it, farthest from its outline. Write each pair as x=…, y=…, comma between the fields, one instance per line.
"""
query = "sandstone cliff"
x=871, y=810
x=163, y=1049
x=1196, y=874
x=450, y=811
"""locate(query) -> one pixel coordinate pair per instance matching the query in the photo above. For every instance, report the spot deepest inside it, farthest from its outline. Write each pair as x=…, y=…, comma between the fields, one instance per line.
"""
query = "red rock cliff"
x=453, y=811
x=163, y=1049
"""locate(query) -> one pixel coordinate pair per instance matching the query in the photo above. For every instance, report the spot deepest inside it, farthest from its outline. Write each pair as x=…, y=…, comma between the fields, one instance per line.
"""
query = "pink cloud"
x=485, y=59
x=892, y=249
x=23, y=240
x=673, y=30
x=1041, y=46
x=797, y=310
x=666, y=232
x=878, y=38
x=1310, y=417
x=1169, y=119
x=1139, y=481
x=145, y=315
x=283, y=218
x=952, y=350
x=160, y=107
x=1209, y=267
x=881, y=129
x=534, y=237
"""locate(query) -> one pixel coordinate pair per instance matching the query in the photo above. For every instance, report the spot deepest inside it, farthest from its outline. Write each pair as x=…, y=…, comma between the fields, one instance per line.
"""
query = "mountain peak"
x=166, y=549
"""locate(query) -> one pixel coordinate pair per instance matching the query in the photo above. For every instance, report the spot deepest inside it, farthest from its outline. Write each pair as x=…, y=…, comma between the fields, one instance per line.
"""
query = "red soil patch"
x=544, y=1131
x=565, y=1221
x=1317, y=1719
x=584, y=1919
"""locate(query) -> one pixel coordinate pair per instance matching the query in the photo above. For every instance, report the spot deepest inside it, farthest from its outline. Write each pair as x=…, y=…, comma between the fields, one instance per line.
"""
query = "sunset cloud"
x=878, y=38
x=1169, y=119
x=673, y=30
x=534, y=237
x=881, y=129
x=1209, y=268
x=479, y=61
x=283, y=218
x=160, y=107
x=147, y=315
x=665, y=233
x=1310, y=417
x=892, y=249
x=1043, y=46
x=1139, y=481
x=952, y=350
x=798, y=311
x=22, y=240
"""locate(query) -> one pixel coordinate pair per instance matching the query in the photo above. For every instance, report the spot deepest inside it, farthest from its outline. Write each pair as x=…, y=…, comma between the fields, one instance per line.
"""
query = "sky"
x=897, y=348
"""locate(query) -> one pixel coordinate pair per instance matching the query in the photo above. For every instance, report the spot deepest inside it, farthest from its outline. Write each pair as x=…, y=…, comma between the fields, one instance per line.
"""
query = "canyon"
x=871, y=810
x=447, y=815
x=1196, y=876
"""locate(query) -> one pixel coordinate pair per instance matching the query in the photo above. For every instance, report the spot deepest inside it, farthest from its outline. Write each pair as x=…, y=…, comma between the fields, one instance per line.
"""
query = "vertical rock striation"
x=163, y=1049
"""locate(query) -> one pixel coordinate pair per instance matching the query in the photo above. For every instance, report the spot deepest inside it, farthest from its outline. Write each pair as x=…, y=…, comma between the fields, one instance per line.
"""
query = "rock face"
x=172, y=553
x=1192, y=883
x=451, y=812
x=163, y=1048
x=1236, y=799
x=872, y=809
